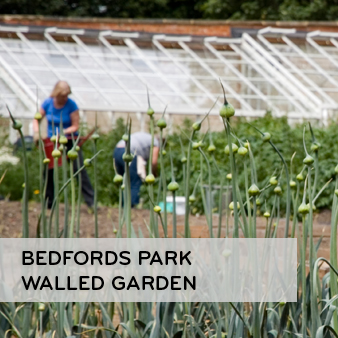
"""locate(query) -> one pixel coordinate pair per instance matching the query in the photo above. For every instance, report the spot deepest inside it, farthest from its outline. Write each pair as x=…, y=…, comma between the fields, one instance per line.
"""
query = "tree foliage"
x=179, y=9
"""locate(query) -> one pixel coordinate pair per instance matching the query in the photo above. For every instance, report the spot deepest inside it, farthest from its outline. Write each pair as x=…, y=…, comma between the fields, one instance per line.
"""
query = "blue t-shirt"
x=66, y=110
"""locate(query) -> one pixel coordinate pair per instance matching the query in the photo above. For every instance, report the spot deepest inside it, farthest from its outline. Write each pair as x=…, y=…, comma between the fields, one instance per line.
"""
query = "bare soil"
x=11, y=224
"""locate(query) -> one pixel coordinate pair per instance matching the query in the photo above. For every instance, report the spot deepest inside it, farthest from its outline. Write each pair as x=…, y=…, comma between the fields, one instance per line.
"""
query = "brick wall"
x=190, y=27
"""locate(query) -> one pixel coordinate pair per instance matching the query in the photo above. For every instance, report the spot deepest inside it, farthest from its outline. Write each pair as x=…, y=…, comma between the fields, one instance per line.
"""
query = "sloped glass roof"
x=275, y=70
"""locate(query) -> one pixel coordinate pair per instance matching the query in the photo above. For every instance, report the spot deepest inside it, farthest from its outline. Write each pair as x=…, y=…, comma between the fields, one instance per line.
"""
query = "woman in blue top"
x=59, y=103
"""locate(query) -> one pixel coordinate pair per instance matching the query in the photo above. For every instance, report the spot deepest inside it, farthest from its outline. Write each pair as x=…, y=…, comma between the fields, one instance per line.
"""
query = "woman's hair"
x=61, y=88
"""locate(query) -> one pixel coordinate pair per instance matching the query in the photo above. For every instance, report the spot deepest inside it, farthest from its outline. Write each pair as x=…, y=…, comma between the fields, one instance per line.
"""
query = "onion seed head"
x=53, y=138
x=315, y=146
x=63, y=139
x=46, y=160
x=246, y=145
x=17, y=125
x=87, y=162
x=150, y=179
x=197, y=125
x=300, y=177
x=266, y=137
x=258, y=202
x=336, y=169
x=227, y=110
x=242, y=151
x=196, y=145
x=229, y=176
x=41, y=307
x=72, y=154
x=183, y=159
x=253, y=190
x=293, y=184
x=118, y=179
x=95, y=136
x=231, y=206
x=56, y=153
x=266, y=214
x=77, y=148
x=273, y=180
x=150, y=111
x=38, y=116
x=278, y=190
x=125, y=137
x=234, y=149
x=336, y=192
x=304, y=209
x=192, y=198
x=173, y=186
x=61, y=147
x=211, y=148
x=161, y=123
x=157, y=209
x=308, y=160
x=122, y=187
x=164, y=152
x=127, y=157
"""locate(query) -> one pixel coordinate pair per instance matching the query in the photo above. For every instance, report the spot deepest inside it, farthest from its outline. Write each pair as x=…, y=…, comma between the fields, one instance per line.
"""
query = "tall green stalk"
x=234, y=179
x=25, y=224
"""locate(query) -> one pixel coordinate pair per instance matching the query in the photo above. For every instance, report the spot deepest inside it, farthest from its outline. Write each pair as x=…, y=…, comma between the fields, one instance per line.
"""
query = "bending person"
x=140, y=144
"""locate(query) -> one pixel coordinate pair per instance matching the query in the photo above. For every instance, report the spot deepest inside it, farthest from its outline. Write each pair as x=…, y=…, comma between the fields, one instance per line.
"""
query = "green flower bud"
x=253, y=190
x=61, y=147
x=258, y=202
x=63, y=139
x=41, y=307
x=164, y=152
x=87, y=162
x=266, y=137
x=196, y=145
x=266, y=214
x=161, y=123
x=229, y=176
x=231, y=206
x=173, y=186
x=183, y=159
x=125, y=137
x=211, y=148
x=300, y=177
x=150, y=179
x=242, y=151
x=336, y=169
x=77, y=148
x=197, y=125
x=53, y=138
x=234, y=149
x=118, y=179
x=315, y=146
x=38, y=116
x=308, y=160
x=157, y=209
x=127, y=157
x=192, y=198
x=293, y=184
x=278, y=190
x=227, y=110
x=46, y=160
x=273, y=180
x=56, y=153
x=17, y=125
x=72, y=154
x=95, y=136
x=150, y=111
